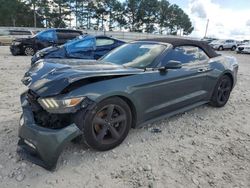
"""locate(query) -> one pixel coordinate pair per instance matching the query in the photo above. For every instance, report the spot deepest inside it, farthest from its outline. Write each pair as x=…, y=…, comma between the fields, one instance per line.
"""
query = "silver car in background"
x=224, y=44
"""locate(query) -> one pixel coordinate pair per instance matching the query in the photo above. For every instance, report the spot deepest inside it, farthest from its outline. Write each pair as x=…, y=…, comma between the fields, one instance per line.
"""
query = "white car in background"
x=224, y=44
x=245, y=48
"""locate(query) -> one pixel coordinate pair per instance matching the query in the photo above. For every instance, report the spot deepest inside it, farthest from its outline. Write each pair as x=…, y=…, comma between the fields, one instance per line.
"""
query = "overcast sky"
x=227, y=18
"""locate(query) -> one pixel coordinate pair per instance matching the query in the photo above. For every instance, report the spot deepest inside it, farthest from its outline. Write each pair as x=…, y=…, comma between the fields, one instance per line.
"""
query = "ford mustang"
x=98, y=102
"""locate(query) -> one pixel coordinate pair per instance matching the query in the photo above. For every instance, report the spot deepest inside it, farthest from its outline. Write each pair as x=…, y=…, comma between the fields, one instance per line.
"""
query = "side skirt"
x=182, y=110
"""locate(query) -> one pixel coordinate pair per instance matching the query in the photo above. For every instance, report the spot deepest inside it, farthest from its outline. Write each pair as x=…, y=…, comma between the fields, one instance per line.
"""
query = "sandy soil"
x=205, y=147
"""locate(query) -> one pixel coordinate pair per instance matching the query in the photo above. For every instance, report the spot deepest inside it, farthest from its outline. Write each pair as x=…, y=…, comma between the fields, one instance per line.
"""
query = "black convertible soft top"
x=178, y=41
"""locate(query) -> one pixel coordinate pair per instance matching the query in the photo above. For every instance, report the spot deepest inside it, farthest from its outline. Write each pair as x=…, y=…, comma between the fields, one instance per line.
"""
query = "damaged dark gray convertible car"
x=100, y=101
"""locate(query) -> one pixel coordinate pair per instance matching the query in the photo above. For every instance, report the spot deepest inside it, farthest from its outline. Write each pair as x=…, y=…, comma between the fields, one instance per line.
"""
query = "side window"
x=14, y=32
x=104, y=42
x=66, y=35
x=185, y=54
x=81, y=45
x=47, y=36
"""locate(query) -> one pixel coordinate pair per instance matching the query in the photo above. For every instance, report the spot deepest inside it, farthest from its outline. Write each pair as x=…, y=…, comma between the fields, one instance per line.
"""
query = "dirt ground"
x=205, y=147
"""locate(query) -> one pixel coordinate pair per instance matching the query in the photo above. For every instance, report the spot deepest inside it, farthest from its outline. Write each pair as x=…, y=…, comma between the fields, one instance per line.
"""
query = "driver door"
x=46, y=39
x=83, y=49
x=174, y=89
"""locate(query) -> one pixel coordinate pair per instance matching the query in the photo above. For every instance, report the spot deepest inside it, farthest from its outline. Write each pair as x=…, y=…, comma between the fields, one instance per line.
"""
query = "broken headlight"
x=53, y=103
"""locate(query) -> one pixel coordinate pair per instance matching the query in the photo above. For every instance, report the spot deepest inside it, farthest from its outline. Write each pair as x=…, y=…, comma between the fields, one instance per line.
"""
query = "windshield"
x=137, y=55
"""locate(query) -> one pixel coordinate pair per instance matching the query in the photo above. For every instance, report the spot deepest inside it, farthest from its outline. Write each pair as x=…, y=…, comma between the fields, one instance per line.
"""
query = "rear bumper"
x=40, y=145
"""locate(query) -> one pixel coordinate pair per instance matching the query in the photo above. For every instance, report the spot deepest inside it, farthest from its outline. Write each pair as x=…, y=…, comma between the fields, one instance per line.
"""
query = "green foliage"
x=16, y=13
x=136, y=15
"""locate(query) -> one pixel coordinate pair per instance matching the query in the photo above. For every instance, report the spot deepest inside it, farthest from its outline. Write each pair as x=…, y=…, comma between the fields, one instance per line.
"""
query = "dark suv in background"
x=29, y=46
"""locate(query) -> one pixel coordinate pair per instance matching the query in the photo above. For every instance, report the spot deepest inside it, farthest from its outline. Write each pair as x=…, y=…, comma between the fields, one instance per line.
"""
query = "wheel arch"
x=229, y=74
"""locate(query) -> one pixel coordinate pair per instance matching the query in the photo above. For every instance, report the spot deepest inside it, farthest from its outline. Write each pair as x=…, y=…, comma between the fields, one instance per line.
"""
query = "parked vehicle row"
x=99, y=101
x=239, y=47
x=50, y=37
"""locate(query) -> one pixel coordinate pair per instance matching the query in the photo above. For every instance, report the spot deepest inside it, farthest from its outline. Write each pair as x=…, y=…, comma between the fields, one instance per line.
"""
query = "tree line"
x=151, y=16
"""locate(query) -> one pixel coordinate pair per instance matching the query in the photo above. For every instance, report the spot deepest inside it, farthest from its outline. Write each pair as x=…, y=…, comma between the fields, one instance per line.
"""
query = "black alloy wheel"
x=222, y=91
x=108, y=124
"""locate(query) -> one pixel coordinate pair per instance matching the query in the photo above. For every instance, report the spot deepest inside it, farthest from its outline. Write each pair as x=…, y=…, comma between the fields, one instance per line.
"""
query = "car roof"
x=181, y=41
x=62, y=29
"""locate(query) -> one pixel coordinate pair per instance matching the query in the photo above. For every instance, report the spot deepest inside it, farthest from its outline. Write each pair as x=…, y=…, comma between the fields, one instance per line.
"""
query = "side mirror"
x=171, y=65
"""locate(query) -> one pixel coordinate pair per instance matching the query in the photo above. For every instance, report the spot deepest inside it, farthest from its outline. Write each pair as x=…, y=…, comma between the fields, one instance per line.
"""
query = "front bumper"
x=40, y=145
x=15, y=50
x=34, y=59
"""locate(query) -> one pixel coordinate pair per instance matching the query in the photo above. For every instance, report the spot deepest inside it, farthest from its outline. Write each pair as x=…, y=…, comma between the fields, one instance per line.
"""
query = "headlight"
x=16, y=43
x=52, y=103
x=39, y=54
x=37, y=66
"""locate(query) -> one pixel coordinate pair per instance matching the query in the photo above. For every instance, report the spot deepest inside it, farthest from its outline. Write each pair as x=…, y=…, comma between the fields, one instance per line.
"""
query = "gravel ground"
x=205, y=147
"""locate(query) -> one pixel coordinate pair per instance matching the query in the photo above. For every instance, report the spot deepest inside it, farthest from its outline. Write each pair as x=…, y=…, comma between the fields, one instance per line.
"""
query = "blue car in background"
x=82, y=47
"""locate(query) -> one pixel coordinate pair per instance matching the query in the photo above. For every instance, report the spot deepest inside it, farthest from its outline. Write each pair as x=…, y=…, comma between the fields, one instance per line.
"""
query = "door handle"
x=202, y=70
x=205, y=69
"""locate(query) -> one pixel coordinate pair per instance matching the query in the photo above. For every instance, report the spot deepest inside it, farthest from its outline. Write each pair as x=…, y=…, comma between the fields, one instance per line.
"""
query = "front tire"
x=29, y=51
x=220, y=48
x=233, y=48
x=222, y=92
x=107, y=124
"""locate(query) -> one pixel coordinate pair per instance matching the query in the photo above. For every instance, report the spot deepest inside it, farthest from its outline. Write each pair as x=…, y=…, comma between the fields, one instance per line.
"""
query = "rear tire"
x=222, y=92
x=107, y=124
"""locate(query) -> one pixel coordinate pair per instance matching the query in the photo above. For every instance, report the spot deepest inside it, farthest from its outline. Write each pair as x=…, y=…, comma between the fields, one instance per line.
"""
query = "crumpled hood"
x=49, y=52
x=49, y=77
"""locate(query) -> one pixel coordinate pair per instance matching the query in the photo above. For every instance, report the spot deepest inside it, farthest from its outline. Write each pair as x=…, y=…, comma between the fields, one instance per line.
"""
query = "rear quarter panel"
x=220, y=66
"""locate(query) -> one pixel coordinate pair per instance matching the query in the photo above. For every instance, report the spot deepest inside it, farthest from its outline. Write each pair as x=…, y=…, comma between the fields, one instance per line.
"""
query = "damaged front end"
x=44, y=134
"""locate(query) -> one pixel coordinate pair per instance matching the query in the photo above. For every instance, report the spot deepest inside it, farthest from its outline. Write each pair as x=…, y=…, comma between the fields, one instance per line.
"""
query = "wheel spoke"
x=220, y=95
x=99, y=121
x=223, y=97
x=224, y=84
x=110, y=111
x=119, y=119
x=227, y=89
x=101, y=134
x=114, y=132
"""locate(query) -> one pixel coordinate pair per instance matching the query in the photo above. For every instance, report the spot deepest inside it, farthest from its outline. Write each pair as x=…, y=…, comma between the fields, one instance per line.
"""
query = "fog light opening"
x=29, y=144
